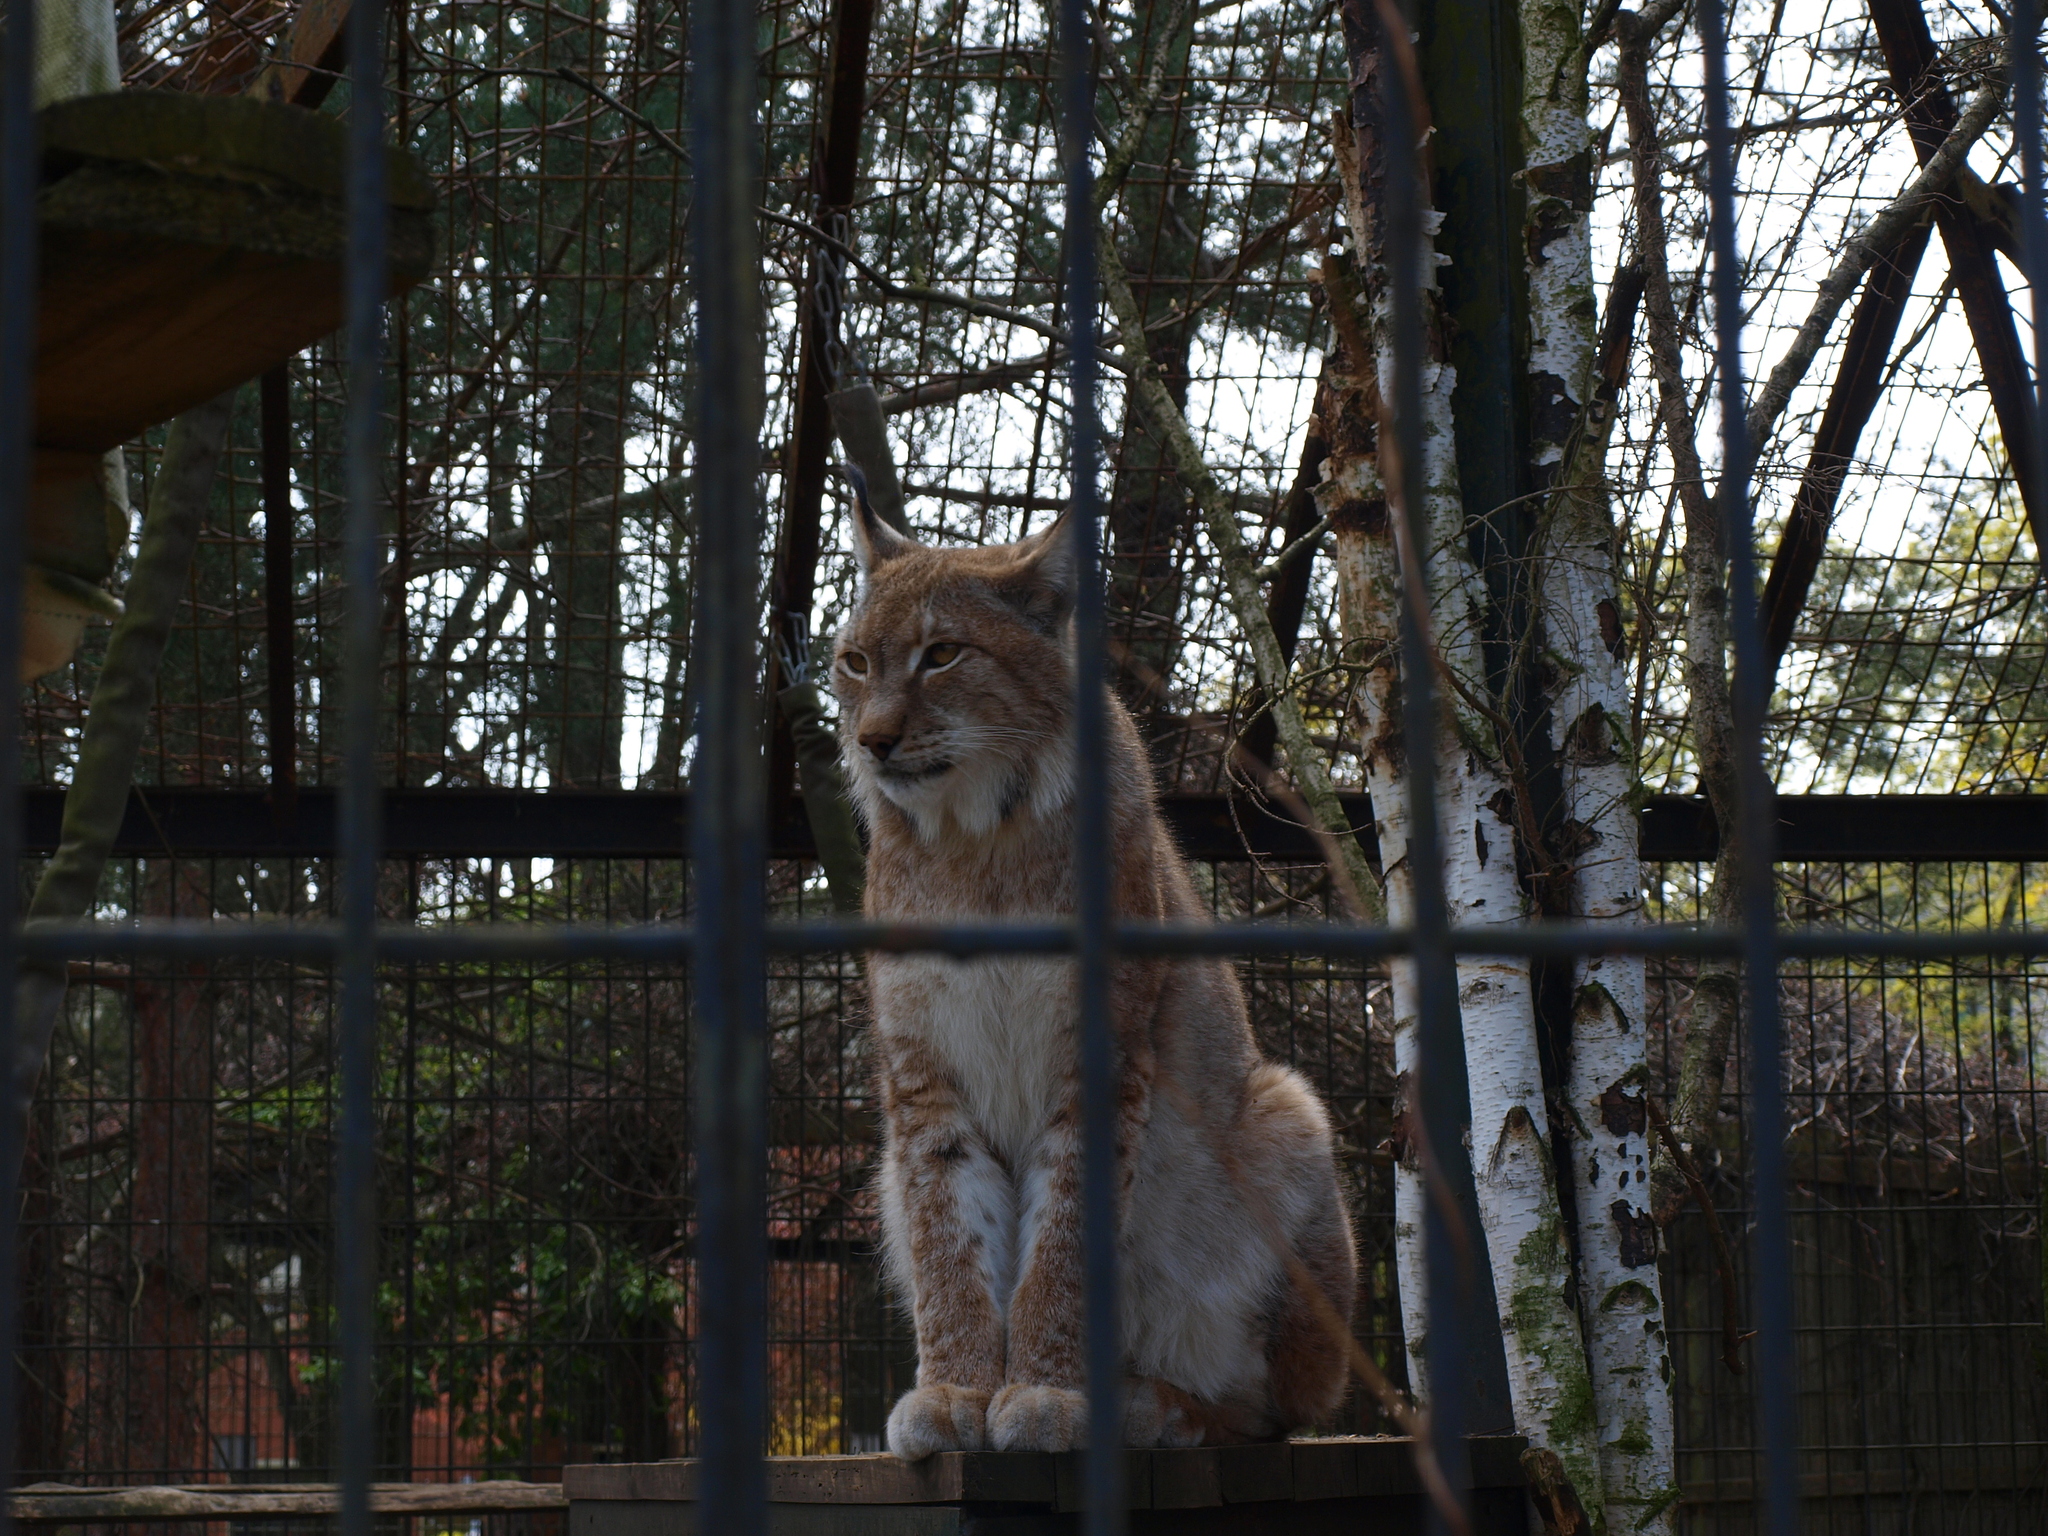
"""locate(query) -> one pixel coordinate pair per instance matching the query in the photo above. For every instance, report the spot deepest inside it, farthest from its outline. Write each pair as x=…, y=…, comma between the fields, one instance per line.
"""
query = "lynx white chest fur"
x=955, y=684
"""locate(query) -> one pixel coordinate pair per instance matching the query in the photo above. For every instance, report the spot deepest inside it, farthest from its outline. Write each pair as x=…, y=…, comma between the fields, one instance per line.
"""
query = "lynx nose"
x=879, y=744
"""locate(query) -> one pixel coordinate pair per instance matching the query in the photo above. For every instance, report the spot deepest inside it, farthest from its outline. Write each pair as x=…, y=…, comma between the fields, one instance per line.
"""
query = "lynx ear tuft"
x=875, y=543
x=1043, y=581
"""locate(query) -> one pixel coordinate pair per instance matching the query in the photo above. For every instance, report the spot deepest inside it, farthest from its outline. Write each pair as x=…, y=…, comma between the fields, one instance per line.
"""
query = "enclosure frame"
x=731, y=938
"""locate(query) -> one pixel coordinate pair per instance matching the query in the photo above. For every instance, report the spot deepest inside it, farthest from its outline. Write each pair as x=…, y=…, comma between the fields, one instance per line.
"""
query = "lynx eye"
x=855, y=663
x=941, y=656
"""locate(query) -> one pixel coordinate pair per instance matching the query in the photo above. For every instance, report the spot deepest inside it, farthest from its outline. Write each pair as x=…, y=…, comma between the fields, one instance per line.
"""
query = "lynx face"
x=954, y=680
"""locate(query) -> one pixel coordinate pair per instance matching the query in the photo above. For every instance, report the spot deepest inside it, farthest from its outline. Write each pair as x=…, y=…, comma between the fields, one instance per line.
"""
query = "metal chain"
x=827, y=295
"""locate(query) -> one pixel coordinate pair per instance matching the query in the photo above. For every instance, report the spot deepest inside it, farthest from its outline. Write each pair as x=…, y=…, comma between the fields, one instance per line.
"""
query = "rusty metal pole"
x=834, y=172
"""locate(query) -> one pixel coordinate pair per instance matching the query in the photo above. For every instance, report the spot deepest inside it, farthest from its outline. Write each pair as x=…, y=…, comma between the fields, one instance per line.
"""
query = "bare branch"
x=1864, y=250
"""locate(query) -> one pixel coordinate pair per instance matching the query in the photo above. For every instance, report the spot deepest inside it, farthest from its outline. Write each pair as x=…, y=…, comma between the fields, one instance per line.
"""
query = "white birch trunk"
x=1511, y=1165
x=1368, y=584
x=1621, y=1304
x=1513, y=1175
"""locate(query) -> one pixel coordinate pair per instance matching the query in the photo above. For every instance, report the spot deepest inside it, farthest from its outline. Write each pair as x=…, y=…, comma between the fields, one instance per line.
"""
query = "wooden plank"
x=1187, y=1478
x=305, y=72
x=51, y=1503
x=1327, y=1468
x=1019, y=1477
x=189, y=243
x=868, y=1520
x=642, y=1517
x=608, y=1517
x=950, y=1477
x=1386, y=1466
x=1072, y=1495
x=1496, y=1460
x=1255, y=1474
x=1332, y=1467
x=650, y=1480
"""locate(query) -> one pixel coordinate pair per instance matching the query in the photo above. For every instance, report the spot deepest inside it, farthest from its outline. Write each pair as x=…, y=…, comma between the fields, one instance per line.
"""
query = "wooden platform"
x=1299, y=1487
x=189, y=243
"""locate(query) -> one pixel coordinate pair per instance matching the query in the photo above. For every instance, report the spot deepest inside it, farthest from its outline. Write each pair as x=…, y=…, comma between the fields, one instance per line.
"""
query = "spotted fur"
x=955, y=682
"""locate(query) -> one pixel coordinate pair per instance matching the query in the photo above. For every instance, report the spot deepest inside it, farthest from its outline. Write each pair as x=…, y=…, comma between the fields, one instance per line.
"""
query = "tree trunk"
x=163, y=1404
x=1287, y=604
x=121, y=703
x=1349, y=867
x=1606, y=1073
x=1526, y=1242
x=44, y=1412
x=1368, y=586
x=76, y=50
x=1717, y=987
x=587, y=696
x=1146, y=518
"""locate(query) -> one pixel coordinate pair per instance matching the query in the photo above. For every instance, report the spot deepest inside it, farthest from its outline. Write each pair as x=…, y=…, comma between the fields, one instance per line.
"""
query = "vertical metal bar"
x=2026, y=125
x=1105, y=1465
x=1776, y=1378
x=281, y=723
x=355, y=1214
x=1452, y=1263
x=728, y=827
x=18, y=255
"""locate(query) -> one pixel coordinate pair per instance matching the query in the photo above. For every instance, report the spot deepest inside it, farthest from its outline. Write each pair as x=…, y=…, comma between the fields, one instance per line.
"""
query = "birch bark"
x=1516, y=1182
x=1352, y=498
x=1578, y=601
x=1362, y=554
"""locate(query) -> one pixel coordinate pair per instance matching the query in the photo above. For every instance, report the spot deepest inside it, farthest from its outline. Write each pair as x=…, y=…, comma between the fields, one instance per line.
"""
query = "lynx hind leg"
x=1307, y=1367
x=939, y=1417
x=1157, y=1413
x=1289, y=1146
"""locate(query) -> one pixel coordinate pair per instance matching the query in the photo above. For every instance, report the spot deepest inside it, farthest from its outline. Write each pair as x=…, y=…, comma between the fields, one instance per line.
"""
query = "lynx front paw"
x=1036, y=1418
x=938, y=1418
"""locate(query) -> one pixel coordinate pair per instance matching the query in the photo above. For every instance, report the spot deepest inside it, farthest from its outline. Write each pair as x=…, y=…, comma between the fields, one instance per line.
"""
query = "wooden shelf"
x=63, y=1504
x=189, y=243
x=1299, y=1487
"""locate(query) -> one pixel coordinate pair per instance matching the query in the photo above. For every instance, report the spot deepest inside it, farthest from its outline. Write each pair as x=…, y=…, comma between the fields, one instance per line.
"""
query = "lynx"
x=955, y=681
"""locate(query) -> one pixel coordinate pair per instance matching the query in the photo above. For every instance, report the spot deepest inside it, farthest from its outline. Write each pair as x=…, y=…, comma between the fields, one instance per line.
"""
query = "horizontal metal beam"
x=1859, y=828
x=633, y=824
x=550, y=944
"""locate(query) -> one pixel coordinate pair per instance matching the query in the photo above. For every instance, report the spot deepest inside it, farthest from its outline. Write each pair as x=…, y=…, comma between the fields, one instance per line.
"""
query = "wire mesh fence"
x=1915, y=1097
x=536, y=1185
x=536, y=1204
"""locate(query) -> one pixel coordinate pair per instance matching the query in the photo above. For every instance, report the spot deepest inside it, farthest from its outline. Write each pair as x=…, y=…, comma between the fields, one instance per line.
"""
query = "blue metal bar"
x=1093, y=918
x=1447, y=1260
x=355, y=1207
x=19, y=236
x=2026, y=127
x=729, y=840
x=544, y=944
x=1776, y=1377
